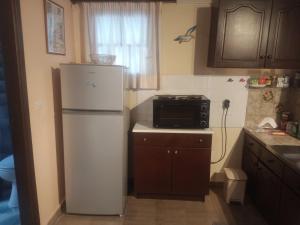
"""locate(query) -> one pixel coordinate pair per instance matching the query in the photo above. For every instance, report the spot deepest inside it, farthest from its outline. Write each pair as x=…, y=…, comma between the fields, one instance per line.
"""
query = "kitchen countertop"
x=268, y=140
x=148, y=128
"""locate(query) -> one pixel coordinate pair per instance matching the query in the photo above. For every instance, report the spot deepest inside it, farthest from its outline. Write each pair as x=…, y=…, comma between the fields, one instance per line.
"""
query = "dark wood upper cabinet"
x=241, y=33
x=284, y=38
x=255, y=34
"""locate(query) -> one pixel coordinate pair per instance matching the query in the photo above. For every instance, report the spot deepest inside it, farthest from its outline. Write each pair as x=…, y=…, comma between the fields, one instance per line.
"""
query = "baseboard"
x=57, y=214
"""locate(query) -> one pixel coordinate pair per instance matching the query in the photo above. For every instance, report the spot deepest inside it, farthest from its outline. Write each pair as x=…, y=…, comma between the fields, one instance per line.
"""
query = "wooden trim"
x=78, y=1
x=55, y=217
x=58, y=132
x=11, y=37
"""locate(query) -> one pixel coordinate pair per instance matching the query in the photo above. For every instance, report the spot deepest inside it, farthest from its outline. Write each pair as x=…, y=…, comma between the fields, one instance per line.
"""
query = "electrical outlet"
x=226, y=104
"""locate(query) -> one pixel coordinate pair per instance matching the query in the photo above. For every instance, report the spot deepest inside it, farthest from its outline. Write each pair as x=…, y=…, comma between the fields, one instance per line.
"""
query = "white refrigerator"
x=95, y=128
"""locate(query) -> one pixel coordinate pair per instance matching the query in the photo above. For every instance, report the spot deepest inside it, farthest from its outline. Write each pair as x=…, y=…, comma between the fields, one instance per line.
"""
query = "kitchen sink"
x=289, y=152
x=288, y=149
x=293, y=156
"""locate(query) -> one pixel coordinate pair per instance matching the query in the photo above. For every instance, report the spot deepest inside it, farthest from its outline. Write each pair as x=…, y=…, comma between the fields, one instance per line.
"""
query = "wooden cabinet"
x=255, y=34
x=190, y=171
x=171, y=165
x=268, y=194
x=154, y=170
x=264, y=172
x=290, y=207
x=284, y=44
x=250, y=164
x=272, y=184
x=290, y=199
x=239, y=33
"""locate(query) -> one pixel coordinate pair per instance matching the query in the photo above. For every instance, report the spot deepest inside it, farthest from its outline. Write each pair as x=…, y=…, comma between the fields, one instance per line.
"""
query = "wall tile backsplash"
x=216, y=88
x=258, y=108
x=247, y=106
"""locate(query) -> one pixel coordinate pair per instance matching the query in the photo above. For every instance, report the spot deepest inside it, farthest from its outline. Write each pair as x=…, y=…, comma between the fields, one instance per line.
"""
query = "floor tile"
x=214, y=211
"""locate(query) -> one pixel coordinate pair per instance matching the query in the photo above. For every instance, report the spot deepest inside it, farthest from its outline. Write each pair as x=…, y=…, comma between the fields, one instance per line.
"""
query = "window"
x=129, y=31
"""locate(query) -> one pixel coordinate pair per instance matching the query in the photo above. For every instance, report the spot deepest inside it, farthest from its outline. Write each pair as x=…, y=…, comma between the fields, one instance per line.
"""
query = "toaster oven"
x=181, y=111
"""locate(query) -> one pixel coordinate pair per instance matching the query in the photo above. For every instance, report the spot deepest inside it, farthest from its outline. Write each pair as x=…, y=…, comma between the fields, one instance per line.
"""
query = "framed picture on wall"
x=55, y=28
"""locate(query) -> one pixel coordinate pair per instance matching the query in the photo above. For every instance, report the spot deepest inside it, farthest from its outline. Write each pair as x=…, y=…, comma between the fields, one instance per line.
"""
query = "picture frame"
x=55, y=28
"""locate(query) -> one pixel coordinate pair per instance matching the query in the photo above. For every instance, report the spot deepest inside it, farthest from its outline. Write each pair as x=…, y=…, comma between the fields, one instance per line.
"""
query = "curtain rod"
x=78, y=1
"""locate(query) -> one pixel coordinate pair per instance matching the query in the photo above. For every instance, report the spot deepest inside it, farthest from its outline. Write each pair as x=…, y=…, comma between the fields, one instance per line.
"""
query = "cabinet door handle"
x=269, y=56
x=168, y=151
x=145, y=139
x=200, y=140
x=176, y=152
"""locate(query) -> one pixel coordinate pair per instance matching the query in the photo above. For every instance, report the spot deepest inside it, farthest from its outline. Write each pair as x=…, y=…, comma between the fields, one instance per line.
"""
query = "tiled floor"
x=8, y=216
x=214, y=211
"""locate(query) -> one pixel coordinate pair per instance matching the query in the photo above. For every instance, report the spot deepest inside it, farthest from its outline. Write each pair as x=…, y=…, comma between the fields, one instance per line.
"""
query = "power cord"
x=226, y=105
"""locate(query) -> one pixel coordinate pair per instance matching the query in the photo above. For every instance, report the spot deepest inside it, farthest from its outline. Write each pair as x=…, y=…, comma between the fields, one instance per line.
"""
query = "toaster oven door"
x=175, y=115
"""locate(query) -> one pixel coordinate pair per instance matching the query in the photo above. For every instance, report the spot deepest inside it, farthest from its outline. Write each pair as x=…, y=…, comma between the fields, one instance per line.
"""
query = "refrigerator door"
x=95, y=159
x=92, y=87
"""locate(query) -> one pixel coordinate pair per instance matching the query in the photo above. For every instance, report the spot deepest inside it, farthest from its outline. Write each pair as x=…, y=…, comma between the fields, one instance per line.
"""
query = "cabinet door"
x=191, y=171
x=242, y=33
x=250, y=163
x=152, y=166
x=268, y=194
x=284, y=39
x=290, y=208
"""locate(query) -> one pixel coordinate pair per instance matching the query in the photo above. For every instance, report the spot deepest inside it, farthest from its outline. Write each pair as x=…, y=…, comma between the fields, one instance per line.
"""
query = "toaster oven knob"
x=203, y=124
x=203, y=115
x=204, y=107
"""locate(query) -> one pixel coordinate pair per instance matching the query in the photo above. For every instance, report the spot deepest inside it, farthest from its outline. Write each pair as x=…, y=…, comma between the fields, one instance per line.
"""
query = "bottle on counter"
x=285, y=118
x=274, y=81
x=295, y=82
x=292, y=128
x=283, y=81
x=298, y=133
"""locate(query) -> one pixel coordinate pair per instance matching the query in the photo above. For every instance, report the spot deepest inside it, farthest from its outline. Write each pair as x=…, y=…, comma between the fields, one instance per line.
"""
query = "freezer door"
x=92, y=87
x=95, y=156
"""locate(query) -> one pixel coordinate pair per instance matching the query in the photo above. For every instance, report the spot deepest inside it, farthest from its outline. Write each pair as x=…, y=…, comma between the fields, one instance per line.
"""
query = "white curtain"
x=130, y=31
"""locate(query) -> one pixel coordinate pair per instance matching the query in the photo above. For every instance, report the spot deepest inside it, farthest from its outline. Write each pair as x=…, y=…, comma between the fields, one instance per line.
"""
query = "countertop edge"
x=146, y=128
x=172, y=132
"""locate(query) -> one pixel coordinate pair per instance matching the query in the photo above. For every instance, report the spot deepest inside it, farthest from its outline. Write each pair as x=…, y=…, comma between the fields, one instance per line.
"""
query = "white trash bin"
x=235, y=185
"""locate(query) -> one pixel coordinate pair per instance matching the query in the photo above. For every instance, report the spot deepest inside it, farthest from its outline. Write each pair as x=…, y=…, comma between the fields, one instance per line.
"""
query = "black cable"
x=225, y=128
x=223, y=125
x=220, y=159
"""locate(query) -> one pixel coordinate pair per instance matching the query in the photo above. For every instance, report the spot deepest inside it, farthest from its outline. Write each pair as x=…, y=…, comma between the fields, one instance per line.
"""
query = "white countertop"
x=148, y=128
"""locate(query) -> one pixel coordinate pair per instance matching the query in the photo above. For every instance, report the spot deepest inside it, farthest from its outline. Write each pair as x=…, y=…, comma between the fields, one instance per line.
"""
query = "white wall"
x=39, y=82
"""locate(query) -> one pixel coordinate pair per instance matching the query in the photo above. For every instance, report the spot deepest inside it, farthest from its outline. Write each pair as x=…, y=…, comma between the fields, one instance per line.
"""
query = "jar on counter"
x=285, y=118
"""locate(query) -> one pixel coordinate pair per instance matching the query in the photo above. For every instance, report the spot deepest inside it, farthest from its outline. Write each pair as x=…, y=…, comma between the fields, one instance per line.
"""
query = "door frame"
x=16, y=86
